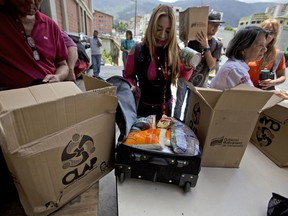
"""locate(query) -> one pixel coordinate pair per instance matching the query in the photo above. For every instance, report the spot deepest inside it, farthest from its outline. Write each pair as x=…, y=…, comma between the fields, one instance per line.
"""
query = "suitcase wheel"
x=187, y=187
x=122, y=177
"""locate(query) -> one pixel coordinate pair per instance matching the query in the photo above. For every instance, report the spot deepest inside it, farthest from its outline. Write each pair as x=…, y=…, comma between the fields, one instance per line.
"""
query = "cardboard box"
x=57, y=149
x=270, y=133
x=17, y=98
x=224, y=121
x=191, y=21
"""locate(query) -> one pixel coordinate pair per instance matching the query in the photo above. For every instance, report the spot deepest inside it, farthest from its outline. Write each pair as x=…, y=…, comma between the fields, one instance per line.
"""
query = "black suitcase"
x=153, y=165
x=157, y=166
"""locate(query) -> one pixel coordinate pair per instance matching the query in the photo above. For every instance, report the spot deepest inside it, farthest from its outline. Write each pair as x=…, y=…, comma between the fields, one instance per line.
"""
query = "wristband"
x=206, y=49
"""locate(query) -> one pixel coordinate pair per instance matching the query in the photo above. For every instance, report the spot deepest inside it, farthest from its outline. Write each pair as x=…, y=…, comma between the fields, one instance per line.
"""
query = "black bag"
x=277, y=206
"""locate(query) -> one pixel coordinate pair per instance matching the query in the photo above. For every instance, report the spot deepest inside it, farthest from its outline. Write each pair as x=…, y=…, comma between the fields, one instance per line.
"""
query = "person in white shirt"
x=95, y=44
x=247, y=45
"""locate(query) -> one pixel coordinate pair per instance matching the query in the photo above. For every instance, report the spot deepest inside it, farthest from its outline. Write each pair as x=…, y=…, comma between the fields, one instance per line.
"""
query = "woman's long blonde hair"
x=173, y=47
x=271, y=49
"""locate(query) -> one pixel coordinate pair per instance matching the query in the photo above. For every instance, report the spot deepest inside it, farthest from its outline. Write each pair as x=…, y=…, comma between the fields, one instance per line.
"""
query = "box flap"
x=283, y=103
x=92, y=83
x=246, y=98
x=209, y=95
x=22, y=97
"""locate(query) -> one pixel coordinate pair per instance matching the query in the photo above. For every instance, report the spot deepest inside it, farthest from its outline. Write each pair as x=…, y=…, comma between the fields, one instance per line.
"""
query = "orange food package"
x=153, y=139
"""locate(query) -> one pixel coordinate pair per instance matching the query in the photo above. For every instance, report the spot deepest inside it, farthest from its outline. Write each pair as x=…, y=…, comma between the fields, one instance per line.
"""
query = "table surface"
x=219, y=191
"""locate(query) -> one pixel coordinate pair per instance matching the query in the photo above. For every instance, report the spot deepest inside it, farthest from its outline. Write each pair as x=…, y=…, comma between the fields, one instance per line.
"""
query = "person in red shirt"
x=32, y=48
x=269, y=59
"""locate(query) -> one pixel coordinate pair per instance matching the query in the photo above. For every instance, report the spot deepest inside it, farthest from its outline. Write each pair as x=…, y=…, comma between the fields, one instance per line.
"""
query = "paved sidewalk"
x=108, y=71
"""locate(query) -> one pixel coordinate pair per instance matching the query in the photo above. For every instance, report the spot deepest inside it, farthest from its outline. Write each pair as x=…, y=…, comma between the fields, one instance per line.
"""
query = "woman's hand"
x=264, y=84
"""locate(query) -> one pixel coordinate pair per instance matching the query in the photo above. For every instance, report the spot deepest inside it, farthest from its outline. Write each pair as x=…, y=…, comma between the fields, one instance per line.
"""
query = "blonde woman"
x=156, y=65
x=273, y=59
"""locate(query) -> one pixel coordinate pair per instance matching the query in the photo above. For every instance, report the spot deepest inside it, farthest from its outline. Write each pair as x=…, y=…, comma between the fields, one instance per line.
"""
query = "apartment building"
x=103, y=22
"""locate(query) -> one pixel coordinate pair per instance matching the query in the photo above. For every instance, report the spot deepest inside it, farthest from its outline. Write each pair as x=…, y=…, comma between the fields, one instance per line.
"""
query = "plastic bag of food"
x=183, y=139
x=152, y=139
x=164, y=122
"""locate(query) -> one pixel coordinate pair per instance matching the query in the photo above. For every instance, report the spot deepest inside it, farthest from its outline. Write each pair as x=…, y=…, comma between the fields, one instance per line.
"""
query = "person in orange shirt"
x=269, y=59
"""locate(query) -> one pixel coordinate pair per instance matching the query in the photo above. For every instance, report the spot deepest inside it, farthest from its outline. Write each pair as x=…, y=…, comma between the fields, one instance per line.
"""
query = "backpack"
x=126, y=113
x=83, y=62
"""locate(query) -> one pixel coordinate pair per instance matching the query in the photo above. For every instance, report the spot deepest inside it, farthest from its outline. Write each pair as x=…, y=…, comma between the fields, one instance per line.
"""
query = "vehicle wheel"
x=122, y=177
x=187, y=187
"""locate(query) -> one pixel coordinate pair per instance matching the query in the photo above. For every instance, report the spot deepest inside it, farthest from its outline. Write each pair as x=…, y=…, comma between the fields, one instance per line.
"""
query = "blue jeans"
x=96, y=63
x=180, y=96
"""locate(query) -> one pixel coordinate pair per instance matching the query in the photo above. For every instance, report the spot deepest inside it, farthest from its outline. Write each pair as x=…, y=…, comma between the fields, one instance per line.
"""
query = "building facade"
x=103, y=22
x=71, y=15
x=279, y=12
x=254, y=19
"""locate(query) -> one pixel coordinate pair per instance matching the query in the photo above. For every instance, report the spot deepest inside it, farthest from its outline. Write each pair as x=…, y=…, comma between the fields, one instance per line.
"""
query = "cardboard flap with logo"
x=191, y=21
x=57, y=149
x=270, y=133
x=224, y=121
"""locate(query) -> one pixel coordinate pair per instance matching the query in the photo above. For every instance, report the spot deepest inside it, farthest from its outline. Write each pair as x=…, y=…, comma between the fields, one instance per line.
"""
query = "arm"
x=60, y=74
x=122, y=47
x=72, y=55
x=129, y=68
x=72, y=59
x=211, y=61
x=280, y=76
x=185, y=70
x=99, y=42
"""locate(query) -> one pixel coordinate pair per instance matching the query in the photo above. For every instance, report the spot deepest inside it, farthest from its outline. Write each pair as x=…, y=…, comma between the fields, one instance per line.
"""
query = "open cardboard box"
x=57, y=141
x=270, y=133
x=224, y=121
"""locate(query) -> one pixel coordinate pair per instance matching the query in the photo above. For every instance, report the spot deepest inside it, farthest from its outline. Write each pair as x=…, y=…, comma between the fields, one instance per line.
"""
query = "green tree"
x=107, y=58
x=229, y=28
x=121, y=26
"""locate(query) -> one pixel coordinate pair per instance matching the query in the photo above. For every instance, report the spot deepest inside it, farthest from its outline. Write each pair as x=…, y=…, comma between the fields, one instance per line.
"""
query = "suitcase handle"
x=159, y=161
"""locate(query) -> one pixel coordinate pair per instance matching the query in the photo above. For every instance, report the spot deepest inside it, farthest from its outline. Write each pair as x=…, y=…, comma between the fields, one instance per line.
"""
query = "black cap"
x=215, y=17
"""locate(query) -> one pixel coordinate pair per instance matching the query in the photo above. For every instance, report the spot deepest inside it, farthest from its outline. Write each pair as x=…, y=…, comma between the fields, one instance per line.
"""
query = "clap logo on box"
x=78, y=152
x=265, y=132
x=195, y=118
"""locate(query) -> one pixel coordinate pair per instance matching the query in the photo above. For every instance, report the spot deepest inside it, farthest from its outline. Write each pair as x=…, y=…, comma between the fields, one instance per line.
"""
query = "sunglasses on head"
x=270, y=32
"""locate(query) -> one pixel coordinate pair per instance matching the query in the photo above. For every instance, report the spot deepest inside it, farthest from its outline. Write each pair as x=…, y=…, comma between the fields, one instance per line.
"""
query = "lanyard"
x=165, y=69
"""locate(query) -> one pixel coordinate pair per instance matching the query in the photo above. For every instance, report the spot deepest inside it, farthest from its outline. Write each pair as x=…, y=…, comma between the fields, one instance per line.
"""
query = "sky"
x=247, y=1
